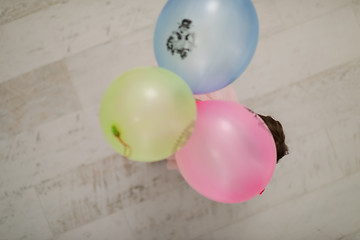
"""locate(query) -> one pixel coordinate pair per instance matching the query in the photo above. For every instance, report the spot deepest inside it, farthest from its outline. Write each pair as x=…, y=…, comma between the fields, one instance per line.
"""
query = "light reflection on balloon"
x=144, y=112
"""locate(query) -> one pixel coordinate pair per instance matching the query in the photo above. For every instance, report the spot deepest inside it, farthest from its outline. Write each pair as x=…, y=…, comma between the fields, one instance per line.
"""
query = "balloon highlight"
x=144, y=114
x=208, y=43
x=230, y=156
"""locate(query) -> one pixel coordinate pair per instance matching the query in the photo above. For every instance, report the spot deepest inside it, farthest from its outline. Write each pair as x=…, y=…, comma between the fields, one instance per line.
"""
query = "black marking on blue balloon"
x=182, y=40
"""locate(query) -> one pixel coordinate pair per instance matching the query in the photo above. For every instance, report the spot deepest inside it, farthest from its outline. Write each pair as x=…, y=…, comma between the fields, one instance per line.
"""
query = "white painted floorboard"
x=60, y=180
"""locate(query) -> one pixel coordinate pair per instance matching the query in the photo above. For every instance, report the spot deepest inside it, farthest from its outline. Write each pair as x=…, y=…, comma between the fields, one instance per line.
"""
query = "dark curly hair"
x=277, y=131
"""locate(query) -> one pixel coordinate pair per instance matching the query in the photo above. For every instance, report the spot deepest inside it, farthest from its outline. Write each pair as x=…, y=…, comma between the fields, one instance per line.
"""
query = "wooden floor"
x=60, y=180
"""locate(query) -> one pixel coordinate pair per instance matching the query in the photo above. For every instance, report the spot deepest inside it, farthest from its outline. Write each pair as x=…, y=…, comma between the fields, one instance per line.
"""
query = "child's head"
x=278, y=135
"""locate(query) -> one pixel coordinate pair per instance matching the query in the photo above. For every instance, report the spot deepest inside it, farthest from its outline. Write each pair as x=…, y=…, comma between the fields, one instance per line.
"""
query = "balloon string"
x=127, y=147
x=209, y=96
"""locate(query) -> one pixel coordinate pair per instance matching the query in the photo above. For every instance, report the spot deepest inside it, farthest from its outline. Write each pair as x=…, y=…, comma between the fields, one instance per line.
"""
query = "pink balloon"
x=230, y=156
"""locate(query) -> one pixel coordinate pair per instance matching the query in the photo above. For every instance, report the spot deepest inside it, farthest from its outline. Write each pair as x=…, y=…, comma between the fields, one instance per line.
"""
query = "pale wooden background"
x=59, y=179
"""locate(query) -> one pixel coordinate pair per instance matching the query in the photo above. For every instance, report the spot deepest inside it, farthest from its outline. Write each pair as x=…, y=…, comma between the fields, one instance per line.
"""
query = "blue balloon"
x=208, y=43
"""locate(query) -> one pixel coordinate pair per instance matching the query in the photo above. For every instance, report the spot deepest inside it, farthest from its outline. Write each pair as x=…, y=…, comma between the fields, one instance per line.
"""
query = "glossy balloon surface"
x=208, y=43
x=231, y=155
x=147, y=113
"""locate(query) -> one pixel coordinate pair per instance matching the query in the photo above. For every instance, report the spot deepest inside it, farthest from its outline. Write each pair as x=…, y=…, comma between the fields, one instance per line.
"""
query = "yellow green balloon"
x=147, y=114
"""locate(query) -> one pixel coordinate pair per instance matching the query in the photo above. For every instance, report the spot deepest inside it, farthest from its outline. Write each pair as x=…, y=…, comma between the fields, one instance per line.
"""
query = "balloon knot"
x=115, y=131
x=127, y=148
